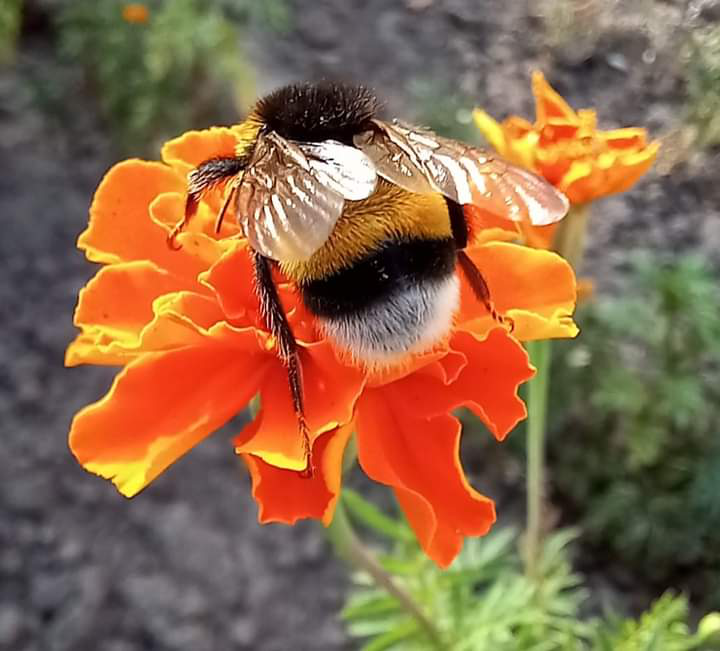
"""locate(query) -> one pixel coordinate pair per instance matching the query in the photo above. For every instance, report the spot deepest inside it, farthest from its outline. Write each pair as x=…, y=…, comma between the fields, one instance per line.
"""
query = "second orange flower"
x=566, y=147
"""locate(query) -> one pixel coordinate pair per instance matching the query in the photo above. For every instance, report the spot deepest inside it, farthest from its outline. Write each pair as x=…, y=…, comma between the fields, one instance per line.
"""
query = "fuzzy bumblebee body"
x=365, y=216
x=383, y=284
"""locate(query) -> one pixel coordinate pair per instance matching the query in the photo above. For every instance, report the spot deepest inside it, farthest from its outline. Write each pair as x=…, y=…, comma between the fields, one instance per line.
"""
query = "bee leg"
x=276, y=321
x=481, y=290
x=458, y=226
x=200, y=180
x=458, y=223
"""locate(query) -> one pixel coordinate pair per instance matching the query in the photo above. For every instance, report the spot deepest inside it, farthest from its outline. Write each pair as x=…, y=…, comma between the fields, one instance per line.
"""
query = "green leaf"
x=373, y=518
x=366, y=608
x=392, y=638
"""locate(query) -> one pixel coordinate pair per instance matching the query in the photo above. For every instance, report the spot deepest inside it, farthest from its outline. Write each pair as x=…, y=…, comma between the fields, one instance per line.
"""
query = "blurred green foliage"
x=635, y=407
x=662, y=628
x=445, y=111
x=10, y=15
x=485, y=602
x=162, y=71
x=703, y=84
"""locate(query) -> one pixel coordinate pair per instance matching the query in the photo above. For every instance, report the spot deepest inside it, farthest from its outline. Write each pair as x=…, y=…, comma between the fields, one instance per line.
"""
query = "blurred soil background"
x=185, y=566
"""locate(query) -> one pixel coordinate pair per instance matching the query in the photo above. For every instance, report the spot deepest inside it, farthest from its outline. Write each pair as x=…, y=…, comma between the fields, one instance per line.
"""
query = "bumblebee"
x=365, y=216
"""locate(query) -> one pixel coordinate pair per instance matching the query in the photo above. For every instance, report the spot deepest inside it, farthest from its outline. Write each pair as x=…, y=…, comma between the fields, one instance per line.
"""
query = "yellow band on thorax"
x=390, y=213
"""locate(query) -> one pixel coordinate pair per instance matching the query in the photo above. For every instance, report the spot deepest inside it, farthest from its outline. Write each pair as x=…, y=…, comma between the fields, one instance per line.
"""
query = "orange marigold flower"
x=135, y=13
x=184, y=327
x=567, y=148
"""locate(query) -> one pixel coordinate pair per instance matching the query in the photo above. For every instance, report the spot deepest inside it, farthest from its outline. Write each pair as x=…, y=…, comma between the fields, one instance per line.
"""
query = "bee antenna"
x=226, y=203
x=191, y=205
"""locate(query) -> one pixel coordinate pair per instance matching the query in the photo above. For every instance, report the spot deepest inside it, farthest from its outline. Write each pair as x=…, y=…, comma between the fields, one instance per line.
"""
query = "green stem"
x=570, y=236
x=570, y=243
x=537, y=413
x=349, y=548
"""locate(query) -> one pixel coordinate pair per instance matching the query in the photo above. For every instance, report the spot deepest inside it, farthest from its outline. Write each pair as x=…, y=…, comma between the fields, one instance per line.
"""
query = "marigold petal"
x=419, y=458
x=180, y=319
x=120, y=296
x=535, y=288
x=632, y=138
x=185, y=319
x=114, y=308
x=516, y=127
x=549, y=103
x=488, y=385
x=485, y=226
x=491, y=130
x=177, y=319
x=120, y=229
x=194, y=147
x=634, y=166
x=156, y=410
x=231, y=279
x=552, y=165
x=95, y=346
x=287, y=496
x=168, y=208
x=521, y=144
x=610, y=173
x=558, y=132
x=540, y=237
x=330, y=392
x=487, y=382
x=581, y=183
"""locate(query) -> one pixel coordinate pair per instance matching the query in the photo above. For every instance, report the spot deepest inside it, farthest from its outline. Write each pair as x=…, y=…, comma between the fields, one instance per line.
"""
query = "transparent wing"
x=292, y=194
x=345, y=170
x=420, y=161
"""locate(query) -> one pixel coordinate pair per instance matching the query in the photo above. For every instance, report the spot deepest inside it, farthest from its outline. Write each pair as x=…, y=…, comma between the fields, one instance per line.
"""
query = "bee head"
x=313, y=112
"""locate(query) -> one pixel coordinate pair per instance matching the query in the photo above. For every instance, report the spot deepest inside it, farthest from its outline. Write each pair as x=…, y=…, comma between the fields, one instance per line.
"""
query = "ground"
x=185, y=566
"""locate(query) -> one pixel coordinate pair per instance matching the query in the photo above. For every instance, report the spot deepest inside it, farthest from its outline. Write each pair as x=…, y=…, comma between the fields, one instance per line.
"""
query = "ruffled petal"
x=419, y=458
x=161, y=405
x=151, y=324
x=489, y=383
x=113, y=308
x=168, y=208
x=194, y=147
x=535, y=288
x=540, y=237
x=633, y=165
x=94, y=346
x=119, y=298
x=484, y=226
x=610, y=173
x=287, y=496
x=120, y=229
x=631, y=138
x=491, y=130
x=231, y=279
x=549, y=103
x=330, y=392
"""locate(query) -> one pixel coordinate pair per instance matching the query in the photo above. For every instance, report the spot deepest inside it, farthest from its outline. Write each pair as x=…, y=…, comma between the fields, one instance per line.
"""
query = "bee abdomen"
x=400, y=299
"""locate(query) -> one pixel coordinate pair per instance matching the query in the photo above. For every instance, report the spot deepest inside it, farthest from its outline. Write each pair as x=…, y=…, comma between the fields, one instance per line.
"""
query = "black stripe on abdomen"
x=394, y=266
